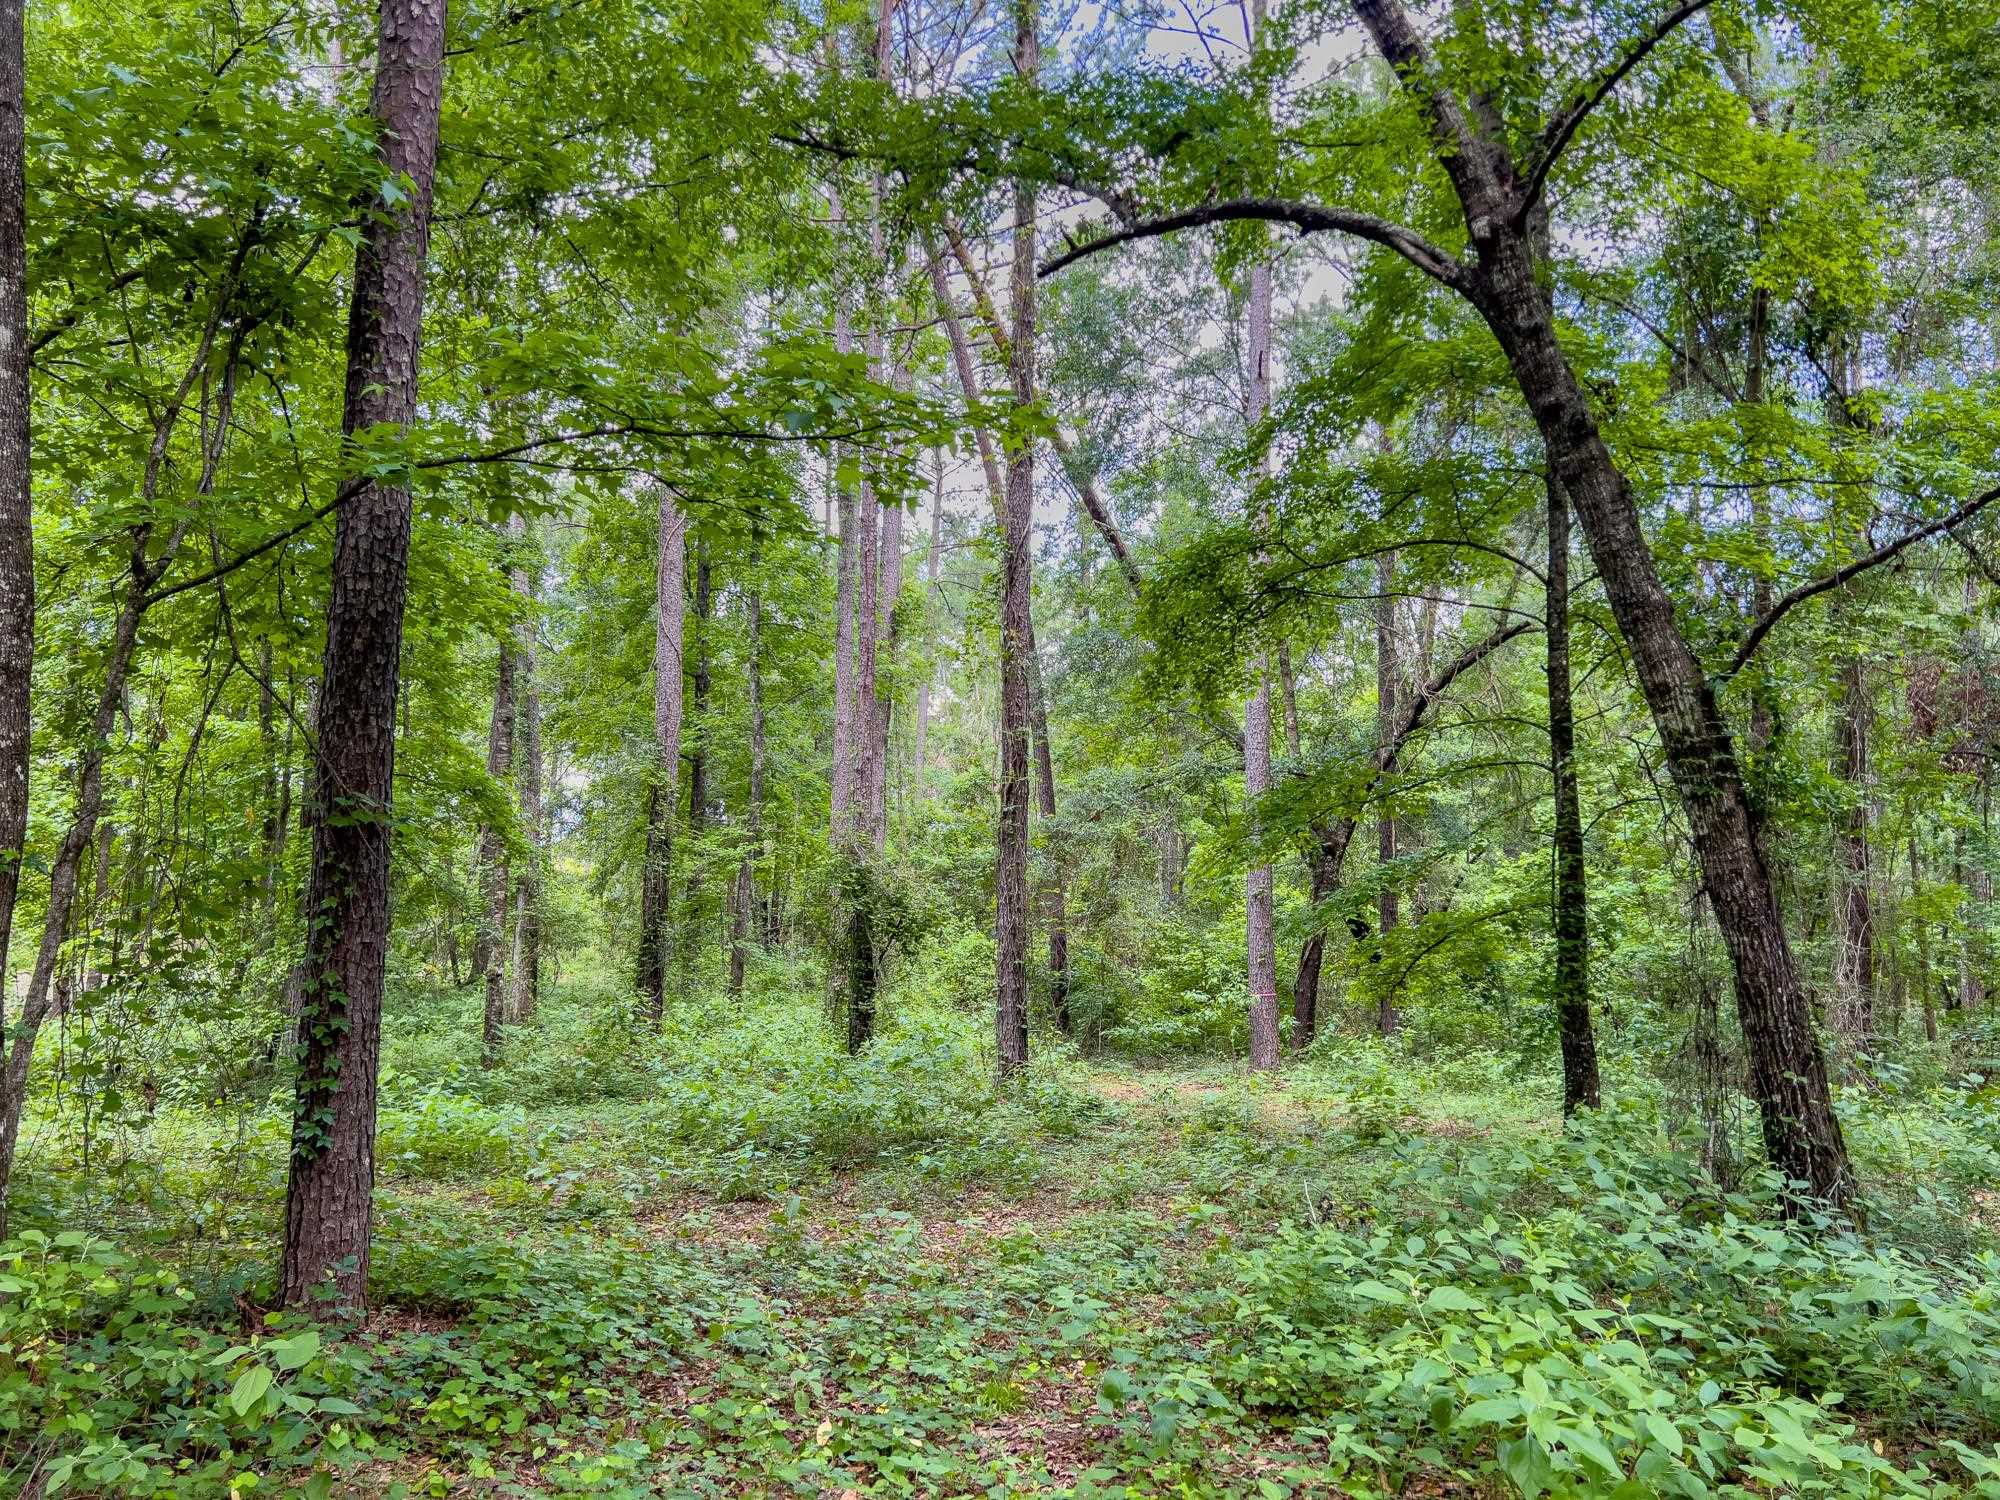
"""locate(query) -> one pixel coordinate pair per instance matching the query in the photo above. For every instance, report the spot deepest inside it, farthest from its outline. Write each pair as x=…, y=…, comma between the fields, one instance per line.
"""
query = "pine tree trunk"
x=17, y=543
x=329, y=1198
x=662, y=797
x=1581, y=1089
x=493, y=864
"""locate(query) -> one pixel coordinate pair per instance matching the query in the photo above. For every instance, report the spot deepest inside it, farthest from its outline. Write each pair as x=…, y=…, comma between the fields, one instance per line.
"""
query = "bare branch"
x=1851, y=571
x=1307, y=218
x=1562, y=129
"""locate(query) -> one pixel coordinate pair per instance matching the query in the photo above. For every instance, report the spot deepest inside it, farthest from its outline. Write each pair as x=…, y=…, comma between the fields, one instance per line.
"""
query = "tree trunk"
x=526, y=579
x=1854, y=962
x=889, y=590
x=921, y=756
x=1387, y=681
x=662, y=797
x=1787, y=1067
x=747, y=915
x=1261, y=957
x=701, y=679
x=17, y=542
x=1016, y=621
x=1581, y=1089
x=329, y=1198
x=1045, y=793
x=493, y=863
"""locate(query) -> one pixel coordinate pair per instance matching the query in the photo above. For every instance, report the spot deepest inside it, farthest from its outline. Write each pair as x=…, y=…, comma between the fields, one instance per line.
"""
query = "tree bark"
x=526, y=580
x=663, y=796
x=1387, y=681
x=1045, y=794
x=1016, y=622
x=747, y=914
x=702, y=680
x=921, y=755
x=1854, y=962
x=1261, y=956
x=17, y=542
x=329, y=1197
x=1581, y=1089
x=493, y=863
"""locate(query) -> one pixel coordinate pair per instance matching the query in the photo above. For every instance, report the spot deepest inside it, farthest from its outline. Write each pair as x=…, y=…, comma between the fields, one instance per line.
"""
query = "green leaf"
x=1376, y=1291
x=1527, y=1463
x=294, y=1352
x=250, y=1388
x=1452, y=1299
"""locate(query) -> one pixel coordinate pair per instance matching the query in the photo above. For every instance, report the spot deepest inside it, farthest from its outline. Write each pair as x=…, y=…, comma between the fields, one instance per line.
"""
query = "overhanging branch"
x=1562, y=129
x=1853, y=570
x=1307, y=218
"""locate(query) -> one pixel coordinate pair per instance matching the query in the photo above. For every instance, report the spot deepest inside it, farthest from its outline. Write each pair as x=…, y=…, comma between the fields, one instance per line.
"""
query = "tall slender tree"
x=1499, y=187
x=656, y=955
x=329, y=1208
x=525, y=577
x=17, y=541
x=495, y=884
x=1016, y=619
x=1581, y=1089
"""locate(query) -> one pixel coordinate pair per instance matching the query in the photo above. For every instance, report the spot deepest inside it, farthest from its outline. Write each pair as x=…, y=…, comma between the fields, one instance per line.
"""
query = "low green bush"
x=1631, y=1334
x=110, y=1386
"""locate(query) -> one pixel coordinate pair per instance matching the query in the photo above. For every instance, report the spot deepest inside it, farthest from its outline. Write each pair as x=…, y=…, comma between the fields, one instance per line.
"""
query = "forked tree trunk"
x=329, y=1198
x=1787, y=1066
x=1581, y=1089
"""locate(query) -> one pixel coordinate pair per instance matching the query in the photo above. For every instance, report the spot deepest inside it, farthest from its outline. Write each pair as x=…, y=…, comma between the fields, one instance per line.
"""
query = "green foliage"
x=1633, y=1332
x=108, y=1385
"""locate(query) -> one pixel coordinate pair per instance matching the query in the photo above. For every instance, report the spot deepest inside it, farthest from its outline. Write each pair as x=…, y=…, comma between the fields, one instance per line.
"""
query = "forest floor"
x=768, y=1269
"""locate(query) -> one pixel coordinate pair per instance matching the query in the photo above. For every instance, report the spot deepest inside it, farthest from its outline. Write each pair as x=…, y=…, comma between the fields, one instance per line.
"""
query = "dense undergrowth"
x=732, y=1260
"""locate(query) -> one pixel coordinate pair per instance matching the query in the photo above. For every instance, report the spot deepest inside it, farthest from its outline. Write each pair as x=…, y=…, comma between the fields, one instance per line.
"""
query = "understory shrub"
x=1628, y=1333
